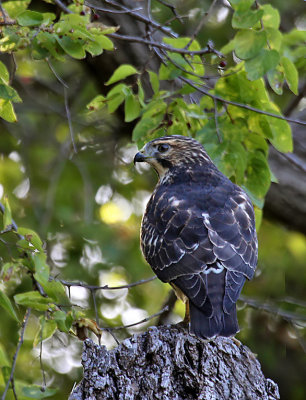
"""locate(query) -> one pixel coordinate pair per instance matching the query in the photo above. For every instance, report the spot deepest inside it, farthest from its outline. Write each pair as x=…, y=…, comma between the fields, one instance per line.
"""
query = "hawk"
x=198, y=233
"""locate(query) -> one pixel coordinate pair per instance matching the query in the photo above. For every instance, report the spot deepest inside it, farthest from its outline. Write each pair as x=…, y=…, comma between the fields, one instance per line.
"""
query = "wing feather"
x=189, y=246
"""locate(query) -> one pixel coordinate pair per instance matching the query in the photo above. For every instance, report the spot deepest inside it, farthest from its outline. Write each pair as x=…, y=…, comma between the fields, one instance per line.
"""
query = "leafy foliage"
x=180, y=100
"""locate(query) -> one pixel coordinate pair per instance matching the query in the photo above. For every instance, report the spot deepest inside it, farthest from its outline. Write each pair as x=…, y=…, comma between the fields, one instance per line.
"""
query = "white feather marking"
x=214, y=270
x=242, y=205
x=206, y=218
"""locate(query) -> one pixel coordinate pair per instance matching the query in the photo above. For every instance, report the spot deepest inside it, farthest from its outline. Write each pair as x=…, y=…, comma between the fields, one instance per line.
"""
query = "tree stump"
x=167, y=363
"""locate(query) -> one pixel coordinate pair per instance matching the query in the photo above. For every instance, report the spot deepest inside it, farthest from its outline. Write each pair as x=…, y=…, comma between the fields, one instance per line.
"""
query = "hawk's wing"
x=189, y=241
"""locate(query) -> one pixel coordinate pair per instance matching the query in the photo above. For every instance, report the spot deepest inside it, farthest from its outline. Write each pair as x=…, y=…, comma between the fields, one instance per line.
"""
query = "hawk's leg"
x=186, y=319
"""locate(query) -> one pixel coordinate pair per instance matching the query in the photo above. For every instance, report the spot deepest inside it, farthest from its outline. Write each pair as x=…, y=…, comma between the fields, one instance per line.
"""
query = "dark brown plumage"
x=198, y=233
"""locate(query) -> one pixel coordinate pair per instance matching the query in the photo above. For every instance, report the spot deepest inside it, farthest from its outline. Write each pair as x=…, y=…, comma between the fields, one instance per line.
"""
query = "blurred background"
x=87, y=208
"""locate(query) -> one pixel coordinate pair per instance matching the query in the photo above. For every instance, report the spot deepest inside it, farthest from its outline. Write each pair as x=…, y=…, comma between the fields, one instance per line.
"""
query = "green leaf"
x=56, y=291
x=46, y=40
x=258, y=217
x=274, y=38
x=241, y=5
x=7, y=305
x=73, y=48
x=7, y=111
x=48, y=18
x=34, y=300
x=42, y=269
x=282, y=136
x=4, y=361
x=294, y=37
x=63, y=320
x=8, y=93
x=7, y=216
x=30, y=18
x=115, y=102
x=145, y=127
x=122, y=72
x=228, y=47
x=258, y=177
x=32, y=237
x=246, y=19
x=249, y=43
x=154, y=81
x=104, y=42
x=258, y=66
x=169, y=72
x=15, y=7
x=237, y=87
x=96, y=103
x=36, y=392
x=141, y=93
x=47, y=329
x=4, y=74
x=291, y=74
x=271, y=17
x=94, y=48
x=121, y=88
x=276, y=80
x=131, y=108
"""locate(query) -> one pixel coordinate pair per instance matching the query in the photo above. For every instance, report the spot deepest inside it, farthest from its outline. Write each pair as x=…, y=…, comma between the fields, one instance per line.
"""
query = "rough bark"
x=167, y=363
x=285, y=200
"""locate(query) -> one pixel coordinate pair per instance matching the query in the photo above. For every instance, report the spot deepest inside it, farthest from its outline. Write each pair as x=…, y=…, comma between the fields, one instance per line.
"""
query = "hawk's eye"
x=162, y=148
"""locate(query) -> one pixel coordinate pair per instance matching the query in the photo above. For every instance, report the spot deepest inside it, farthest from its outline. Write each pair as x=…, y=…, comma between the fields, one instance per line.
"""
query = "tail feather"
x=219, y=324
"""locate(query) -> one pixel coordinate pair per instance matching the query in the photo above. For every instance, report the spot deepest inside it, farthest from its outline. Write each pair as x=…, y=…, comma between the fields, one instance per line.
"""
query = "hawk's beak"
x=139, y=157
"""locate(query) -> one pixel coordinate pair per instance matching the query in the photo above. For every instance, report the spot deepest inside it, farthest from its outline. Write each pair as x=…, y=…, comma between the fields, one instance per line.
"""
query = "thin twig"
x=172, y=8
x=170, y=303
x=69, y=120
x=56, y=74
x=13, y=224
x=241, y=105
x=106, y=287
x=93, y=295
x=7, y=23
x=134, y=14
x=287, y=315
x=200, y=25
x=108, y=11
x=294, y=160
x=14, y=389
x=115, y=328
x=216, y=121
x=61, y=5
x=68, y=114
x=23, y=326
x=44, y=385
x=3, y=12
x=166, y=23
x=207, y=50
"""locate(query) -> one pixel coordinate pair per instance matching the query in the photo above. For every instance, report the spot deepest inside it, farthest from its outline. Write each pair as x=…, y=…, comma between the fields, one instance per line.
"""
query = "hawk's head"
x=167, y=152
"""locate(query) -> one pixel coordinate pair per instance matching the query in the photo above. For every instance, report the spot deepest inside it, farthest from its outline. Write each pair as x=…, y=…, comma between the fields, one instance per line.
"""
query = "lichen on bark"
x=168, y=363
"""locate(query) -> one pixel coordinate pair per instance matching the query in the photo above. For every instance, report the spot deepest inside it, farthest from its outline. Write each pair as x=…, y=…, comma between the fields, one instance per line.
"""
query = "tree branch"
x=62, y=6
x=106, y=287
x=208, y=49
x=133, y=13
x=168, y=363
x=23, y=326
x=241, y=105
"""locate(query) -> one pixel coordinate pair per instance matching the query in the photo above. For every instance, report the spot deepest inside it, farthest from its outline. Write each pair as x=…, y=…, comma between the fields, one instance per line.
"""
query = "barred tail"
x=221, y=324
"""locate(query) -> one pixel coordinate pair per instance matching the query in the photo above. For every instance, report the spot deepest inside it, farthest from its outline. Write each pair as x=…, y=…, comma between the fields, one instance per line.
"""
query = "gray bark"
x=167, y=363
x=286, y=200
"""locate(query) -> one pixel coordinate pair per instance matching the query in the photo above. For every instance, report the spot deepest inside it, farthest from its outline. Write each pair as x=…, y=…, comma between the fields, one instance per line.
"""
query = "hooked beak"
x=139, y=157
